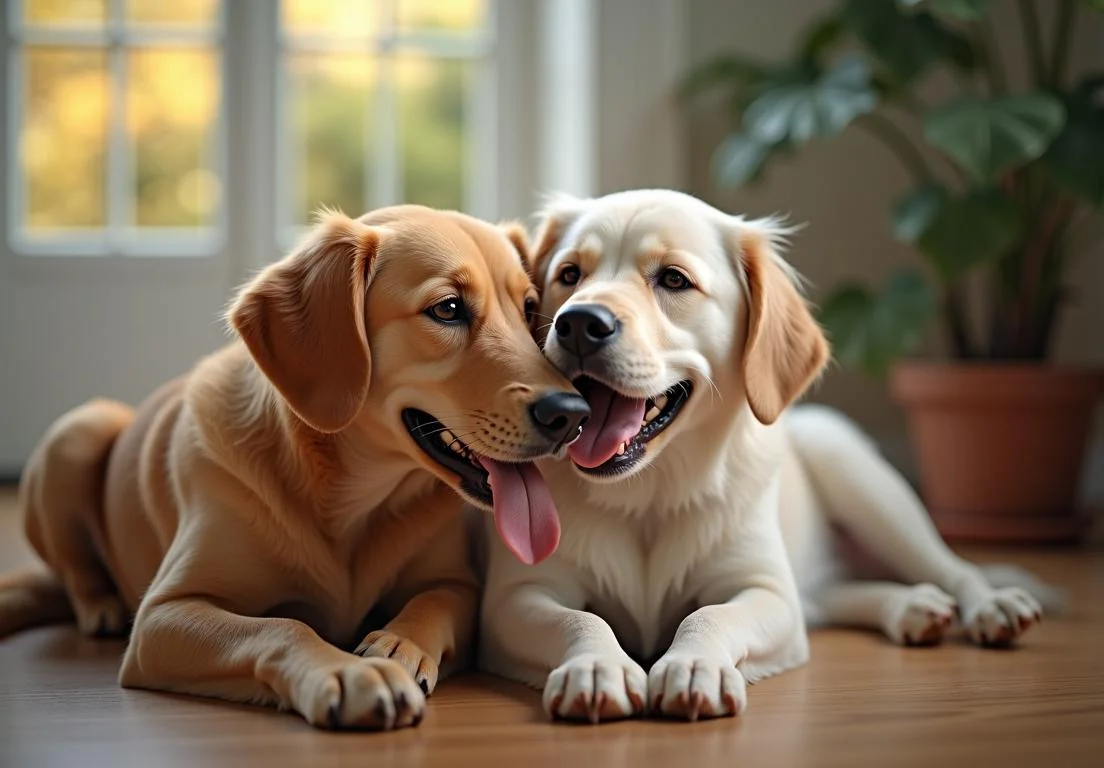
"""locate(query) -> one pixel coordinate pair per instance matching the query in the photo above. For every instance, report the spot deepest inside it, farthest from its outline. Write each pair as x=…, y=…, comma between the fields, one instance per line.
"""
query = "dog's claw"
x=595, y=709
x=424, y=685
x=696, y=701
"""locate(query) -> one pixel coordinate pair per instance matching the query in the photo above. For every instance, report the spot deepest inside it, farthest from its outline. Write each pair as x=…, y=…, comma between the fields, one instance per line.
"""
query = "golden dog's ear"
x=785, y=348
x=303, y=321
x=519, y=238
x=557, y=216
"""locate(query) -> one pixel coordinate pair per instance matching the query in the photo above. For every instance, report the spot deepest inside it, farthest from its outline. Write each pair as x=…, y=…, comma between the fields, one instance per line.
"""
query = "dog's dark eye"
x=674, y=280
x=569, y=274
x=530, y=309
x=449, y=311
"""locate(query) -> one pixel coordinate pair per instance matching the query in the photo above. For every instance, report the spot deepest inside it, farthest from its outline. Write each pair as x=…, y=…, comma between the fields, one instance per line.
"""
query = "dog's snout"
x=585, y=328
x=560, y=415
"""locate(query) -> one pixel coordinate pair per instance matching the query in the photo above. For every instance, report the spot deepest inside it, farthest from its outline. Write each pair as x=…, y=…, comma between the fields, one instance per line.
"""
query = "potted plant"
x=1001, y=175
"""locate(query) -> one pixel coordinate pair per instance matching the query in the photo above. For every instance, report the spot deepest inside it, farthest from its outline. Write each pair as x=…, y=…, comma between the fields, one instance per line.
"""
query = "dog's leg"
x=61, y=495
x=750, y=626
x=909, y=615
x=193, y=646
x=202, y=629
x=532, y=630
x=435, y=603
x=870, y=499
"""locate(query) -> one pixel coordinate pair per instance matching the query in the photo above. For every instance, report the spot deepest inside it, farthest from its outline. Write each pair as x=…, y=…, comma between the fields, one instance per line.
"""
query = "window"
x=117, y=120
x=381, y=103
x=123, y=112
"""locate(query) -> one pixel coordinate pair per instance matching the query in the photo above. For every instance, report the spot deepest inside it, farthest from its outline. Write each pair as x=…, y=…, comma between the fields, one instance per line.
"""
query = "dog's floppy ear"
x=557, y=216
x=302, y=319
x=519, y=239
x=785, y=349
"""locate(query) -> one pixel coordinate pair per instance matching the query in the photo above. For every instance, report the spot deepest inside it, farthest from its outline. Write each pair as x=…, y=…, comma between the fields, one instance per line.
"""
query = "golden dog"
x=250, y=515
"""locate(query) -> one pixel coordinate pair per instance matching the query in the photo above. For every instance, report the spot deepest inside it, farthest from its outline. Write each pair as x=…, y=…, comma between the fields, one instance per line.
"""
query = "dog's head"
x=414, y=325
x=663, y=310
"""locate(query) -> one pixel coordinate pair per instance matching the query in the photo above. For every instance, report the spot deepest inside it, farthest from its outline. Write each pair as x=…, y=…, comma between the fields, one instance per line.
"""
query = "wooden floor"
x=861, y=701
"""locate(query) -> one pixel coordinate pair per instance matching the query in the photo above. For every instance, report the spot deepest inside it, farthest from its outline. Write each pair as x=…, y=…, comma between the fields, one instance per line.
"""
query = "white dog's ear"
x=557, y=215
x=302, y=319
x=785, y=349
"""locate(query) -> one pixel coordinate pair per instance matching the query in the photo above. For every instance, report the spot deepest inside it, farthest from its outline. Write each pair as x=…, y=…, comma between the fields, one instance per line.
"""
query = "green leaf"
x=801, y=106
x=990, y=136
x=969, y=231
x=870, y=331
x=738, y=160
x=822, y=36
x=1096, y=5
x=914, y=213
x=908, y=43
x=730, y=70
x=1076, y=158
x=963, y=10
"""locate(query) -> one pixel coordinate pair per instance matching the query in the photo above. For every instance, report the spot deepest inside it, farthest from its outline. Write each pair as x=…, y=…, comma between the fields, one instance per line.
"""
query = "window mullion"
x=120, y=203
x=387, y=168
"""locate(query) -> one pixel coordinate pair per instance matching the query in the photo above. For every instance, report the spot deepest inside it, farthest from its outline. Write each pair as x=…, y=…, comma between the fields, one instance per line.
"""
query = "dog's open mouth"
x=524, y=512
x=620, y=427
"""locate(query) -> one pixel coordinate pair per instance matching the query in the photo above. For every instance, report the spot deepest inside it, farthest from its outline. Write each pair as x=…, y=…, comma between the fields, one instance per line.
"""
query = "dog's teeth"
x=651, y=414
x=661, y=402
x=447, y=437
x=621, y=448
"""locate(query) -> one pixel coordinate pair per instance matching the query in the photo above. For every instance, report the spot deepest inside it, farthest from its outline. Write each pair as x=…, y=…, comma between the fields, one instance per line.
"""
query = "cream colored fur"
x=677, y=585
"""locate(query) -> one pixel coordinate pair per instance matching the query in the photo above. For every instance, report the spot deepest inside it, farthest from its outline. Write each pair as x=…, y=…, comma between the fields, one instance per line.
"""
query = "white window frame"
x=119, y=235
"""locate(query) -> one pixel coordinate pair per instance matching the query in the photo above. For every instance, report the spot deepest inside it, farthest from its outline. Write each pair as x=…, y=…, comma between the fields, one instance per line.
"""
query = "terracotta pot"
x=1000, y=447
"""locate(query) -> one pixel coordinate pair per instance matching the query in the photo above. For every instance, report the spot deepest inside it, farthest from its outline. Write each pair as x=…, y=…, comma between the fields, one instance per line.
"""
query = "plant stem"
x=897, y=142
x=956, y=323
x=1033, y=41
x=1059, y=50
x=983, y=37
x=1041, y=244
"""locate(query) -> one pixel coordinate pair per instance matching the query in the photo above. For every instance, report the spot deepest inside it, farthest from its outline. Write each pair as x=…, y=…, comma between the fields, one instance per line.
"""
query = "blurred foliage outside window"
x=119, y=118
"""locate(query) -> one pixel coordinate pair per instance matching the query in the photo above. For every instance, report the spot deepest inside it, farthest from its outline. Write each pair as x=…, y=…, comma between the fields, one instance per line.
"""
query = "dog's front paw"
x=388, y=645
x=366, y=694
x=921, y=616
x=596, y=688
x=692, y=687
x=998, y=621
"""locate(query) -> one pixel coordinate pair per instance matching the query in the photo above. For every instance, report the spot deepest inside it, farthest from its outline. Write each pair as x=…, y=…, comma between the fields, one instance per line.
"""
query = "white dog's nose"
x=586, y=328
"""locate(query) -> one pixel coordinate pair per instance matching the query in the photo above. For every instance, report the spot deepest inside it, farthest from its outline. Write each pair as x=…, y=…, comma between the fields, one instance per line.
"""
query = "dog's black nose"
x=560, y=415
x=586, y=328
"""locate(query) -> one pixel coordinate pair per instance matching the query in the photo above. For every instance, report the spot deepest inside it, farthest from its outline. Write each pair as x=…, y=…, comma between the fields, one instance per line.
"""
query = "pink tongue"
x=524, y=512
x=614, y=419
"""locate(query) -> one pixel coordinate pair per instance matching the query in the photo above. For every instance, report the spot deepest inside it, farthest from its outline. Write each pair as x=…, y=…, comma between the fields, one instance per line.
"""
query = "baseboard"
x=10, y=475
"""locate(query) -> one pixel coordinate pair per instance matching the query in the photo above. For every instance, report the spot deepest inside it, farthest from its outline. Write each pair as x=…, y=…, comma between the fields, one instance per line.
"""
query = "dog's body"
x=252, y=514
x=697, y=489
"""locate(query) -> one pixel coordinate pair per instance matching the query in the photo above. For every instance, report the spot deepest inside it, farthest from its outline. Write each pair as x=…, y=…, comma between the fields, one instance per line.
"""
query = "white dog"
x=691, y=491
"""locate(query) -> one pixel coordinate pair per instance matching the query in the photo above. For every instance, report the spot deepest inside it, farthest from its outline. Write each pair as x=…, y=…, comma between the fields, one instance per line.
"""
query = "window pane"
x=64, y=12
x=329, y=107
x=172, y=111
x=454, y=16
x=63, y=137
x=177, y=13
x=331, y=17
x=432, y=95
